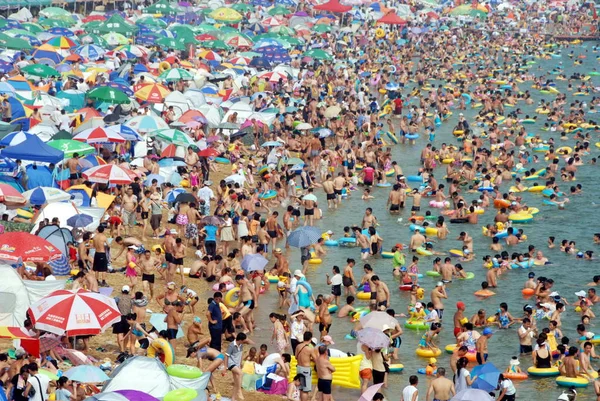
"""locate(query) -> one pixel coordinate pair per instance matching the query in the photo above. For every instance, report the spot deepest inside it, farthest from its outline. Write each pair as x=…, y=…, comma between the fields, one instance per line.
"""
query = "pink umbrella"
x=77, y=313
x=370, y=392
x=99, y=135
x=109, y=173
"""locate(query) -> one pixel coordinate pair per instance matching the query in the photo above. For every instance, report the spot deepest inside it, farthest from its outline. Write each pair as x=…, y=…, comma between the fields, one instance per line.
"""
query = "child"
x=431, y=367
x=72, y=255
x=262, y=354
x=293, y=394
x=367, y=195
x=514, y=366
x=162, y=263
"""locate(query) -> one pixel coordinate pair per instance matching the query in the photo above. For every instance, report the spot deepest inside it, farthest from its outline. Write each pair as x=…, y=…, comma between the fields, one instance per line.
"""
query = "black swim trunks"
x=148, y=277
x=331, y=196
x=100, y=262
x=309, y=212
x=324, y=386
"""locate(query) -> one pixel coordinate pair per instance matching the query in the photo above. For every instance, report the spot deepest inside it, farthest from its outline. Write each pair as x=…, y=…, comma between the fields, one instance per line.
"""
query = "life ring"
x=384, y=184
x=424, y=252
x=332, y=308
x=387, y=255
x=405, y=287
x=427, y=352
x=418, y=178
x=392, y=137
x=228, y=286
x=222, y=160
x=346, y=241
x=184, y=371
x=331, y=242
x=315, y=261
x=543, y=372
x=24, y=214
x=379, y=33
x=432, y=273
x=181, y=394
x=527, y=291
x=272, y=279
x=468, y=276
x=520, y=218
x=396, y=368
x=160, y=346
x=516, y=376
x=484, y=293
x=230, y=297
x=157, y=247
x=487, y=189
x=307, y=287
x=363, y=296
x=578, y=382
x=536, y=188
x=164, y=66
x=501, y=203
x=416, y=325
x=271, y=194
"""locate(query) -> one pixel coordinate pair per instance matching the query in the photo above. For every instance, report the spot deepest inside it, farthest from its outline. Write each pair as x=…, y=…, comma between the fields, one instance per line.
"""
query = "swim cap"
x=460, y=305
x=531, y=274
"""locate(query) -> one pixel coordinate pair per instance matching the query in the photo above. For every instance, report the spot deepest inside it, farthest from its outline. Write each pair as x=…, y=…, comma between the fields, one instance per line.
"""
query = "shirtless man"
x=148, y=265
x=416, y=195
x=585, y=368
x=288, y=224
x=282, y=263
x=329, y=191
x=416, y=241
x=570, y=365
x=437, y=294
x=272, y=228
x=178, y=255
x=126, y=243
x=338, y=185
x=309, y=208
x=467, y=240
x=100, y=265
x=191, y=158
x=346, y=309
x=324, y=315
x=441, y=387
x=304, y=356
x=363, y=243
x=173, y=320
x=324, y=372
x=481, y=346
x=447, y=270
x=369, y=220
x=73, y=166
x=381, y=288
x=128, y=206
x=396, y=199
x=86, y=279
x=169, y=246
x=248, y=301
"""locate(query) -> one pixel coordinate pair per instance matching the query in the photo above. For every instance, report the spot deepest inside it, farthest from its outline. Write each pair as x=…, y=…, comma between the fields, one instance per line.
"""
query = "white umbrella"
x=472, y=394
x=304, y=126
x=236, y=178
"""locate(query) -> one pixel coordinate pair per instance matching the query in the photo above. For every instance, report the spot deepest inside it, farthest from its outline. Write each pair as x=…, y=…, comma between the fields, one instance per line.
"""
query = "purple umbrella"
x=301, y=14
x=122, y=395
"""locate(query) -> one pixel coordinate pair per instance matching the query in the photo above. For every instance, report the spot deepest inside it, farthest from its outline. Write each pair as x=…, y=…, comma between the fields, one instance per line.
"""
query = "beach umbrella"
x=86, y=374
x=162, y=7
x=70, y=147
x=391, y=18
x=79, y=312
x=242, y=7
x=109, y=174
x=108, y=94
x=99, y=135
x=15, y=138
x=303, y=127
x=146, y=123
x=318, y=54
x=304, y=236
x=332, y=111
x=9, y=42
x=42, y=195
x=10, y=196
x=224, y=14
x=377, y=319
x=80, y=220
x=333, y=6
x=271, y=144
x=152, y=93
x=171, y=43
x=90, y=51
x=273, y=76
x=373, y=338
x=32, y=27
x=254, y=262
x=370, y=392
x=126, y=132
x=279, y=10
x=487, y=377
x=115, y=39
x=236, y=179
x=40, y=70
x=238, y=40
x=472, y=394
x=46, y=51
x=149, y=178
x=54, y=12
x=22, y=246
x=216, y=44
x=174, y=136
x=176, y=74
x=208, y=152
x=322, y=28
x=61, y=42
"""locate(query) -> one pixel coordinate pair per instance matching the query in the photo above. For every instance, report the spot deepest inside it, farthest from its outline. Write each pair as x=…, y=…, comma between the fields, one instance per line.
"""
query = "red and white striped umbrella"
x=271, y=22
x=273, y=76
x=109, y=173
x=99, y=135
x=76, y=313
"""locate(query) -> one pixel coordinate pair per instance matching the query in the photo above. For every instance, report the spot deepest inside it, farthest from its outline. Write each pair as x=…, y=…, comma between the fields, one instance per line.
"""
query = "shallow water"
x=577, y=222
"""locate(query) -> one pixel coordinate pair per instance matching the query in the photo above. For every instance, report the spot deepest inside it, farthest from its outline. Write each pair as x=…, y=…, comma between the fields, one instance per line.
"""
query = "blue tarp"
x=33, y=149
x=39, y=176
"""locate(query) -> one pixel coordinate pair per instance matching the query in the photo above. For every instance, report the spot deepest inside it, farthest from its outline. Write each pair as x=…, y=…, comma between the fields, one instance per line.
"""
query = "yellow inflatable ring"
x=379, y=33
x=579, y=382
x=164, y=66
x=428, y=353
x=157, y=246
x=363, y=296
x=543, y=372
x=272, y=279
x=230, y=297
x=162, y=346
x=315, y=261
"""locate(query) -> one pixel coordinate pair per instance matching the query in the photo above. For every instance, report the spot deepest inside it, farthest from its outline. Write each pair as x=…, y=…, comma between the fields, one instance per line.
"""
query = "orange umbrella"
x=152, y=93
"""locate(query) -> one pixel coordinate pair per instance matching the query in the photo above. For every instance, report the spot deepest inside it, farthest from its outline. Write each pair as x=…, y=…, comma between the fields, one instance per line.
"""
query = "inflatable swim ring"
x=396, y=368
x=232, y=297
x=363, y=296
x=416, y=325
x=543, y=372
x=222, y=160
x=527, y=291
x=181, y=394
x=427, y=353
x=160, y=346
x=432, y=273
x=516, y=376
x=578, y=382
x=184, y=371
x=387, y=255
x=230, y=286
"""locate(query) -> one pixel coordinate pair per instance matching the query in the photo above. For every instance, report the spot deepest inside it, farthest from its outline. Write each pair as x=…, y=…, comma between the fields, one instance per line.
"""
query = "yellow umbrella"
x=152, y=93
x=226, y=14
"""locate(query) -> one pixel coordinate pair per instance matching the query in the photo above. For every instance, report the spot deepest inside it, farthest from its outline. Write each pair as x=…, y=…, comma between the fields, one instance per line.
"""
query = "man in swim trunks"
x=169, y=246
x=482, y=345
x=100, y=265
x=338, y=185
x=148, y=265
x=304, y=356
x=324, y=372
x=395, y=199
x=73, y=166
x=330, y=191
x=363, y=243
x=173, y=320
x=271, y=224
x=441, y=387
x=248, y=301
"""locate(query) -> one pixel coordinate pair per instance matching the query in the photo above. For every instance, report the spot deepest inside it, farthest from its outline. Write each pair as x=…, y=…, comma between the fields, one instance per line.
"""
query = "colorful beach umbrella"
x=42, y=195
x=152, y=93
x=146, y=123
x=99, y=135
x=225, y=14
x=70, y=147
x=176, y=74
x=22, y=246
x=40, y=70
x=174, y=136
x=109, y=174
x=108, y=95
x=62, y=42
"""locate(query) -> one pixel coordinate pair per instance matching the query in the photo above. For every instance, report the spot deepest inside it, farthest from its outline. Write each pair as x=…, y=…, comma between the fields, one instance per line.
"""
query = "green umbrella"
x=216, y=44
x=9, y=42
x=282, y=30
x=32, y=27
x=108, y=95
x=291, y=40
x=322, y=28
x=182, y=31
x=70, y=146
x=205, y=28
x=174, y=136
x=318, y=54
x=116, y=24
x=56, y=23
x=227, y=29
x=151, y=22
x=242, y=7
x=14, y=32
x=40, y=70
x=91, y=38
x=170, y=43
x=279, y=10
x=90, y=26
x=54, y=12
x=175, y=74
x=162, y=7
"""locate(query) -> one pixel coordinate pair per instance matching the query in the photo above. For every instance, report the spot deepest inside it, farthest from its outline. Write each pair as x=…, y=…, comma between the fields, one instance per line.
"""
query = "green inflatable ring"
x=416, y=325
x=184, y=371
x=470, y=276
x=181, y=394
x=432, y=273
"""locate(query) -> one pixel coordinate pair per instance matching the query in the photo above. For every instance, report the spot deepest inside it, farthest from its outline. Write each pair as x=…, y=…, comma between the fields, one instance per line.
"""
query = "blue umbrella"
x=5, y=87
x=173, y=194
x=138, y=68
x=304, y=236
x=170, y=163
x=60, y=31
x=288, y=3
x=159, y=178
x=487, y=377
x=15, y=138
x=47, y=54
x=262, y=3
x=80, y=220
x=392, y=86
x=86, y=374
x=5, y=66
x=127, y=132
x=253, y=262
x=92, y=52
x=260, y=62
x=256, y=27
x=277, y=57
